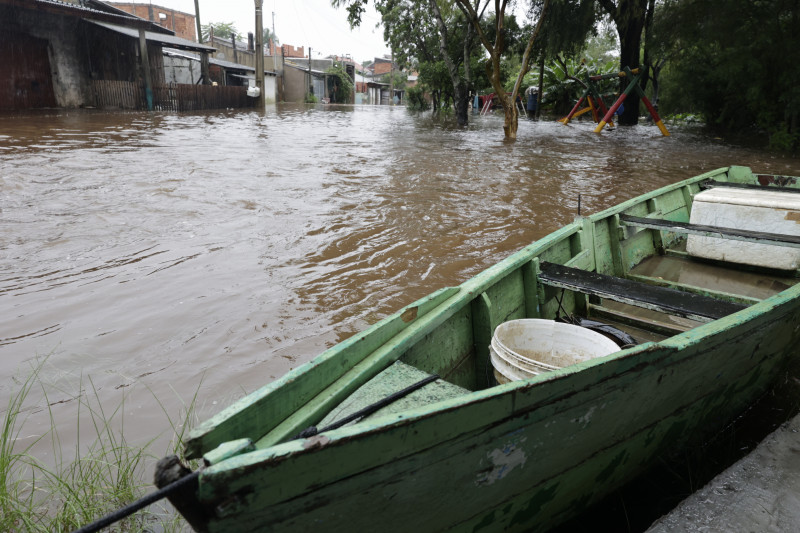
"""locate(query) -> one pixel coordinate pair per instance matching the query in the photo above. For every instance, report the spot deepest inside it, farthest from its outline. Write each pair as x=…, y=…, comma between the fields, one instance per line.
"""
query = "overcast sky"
x=305, y=23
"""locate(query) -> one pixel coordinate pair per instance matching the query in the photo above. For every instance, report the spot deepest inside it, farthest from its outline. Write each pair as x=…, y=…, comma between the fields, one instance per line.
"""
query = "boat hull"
x=522, y=456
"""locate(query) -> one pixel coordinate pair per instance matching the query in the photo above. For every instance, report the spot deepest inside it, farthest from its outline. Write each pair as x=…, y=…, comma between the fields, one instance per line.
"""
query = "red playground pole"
x=654, y=114
x=607, y=118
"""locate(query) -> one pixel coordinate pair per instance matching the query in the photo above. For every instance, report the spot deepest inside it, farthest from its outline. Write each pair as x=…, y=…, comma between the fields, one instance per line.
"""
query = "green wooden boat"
x=463, y=452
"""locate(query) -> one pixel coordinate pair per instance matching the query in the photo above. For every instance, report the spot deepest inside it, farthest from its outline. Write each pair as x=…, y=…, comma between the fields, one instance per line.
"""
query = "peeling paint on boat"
x=585, y=419
x=503, y=461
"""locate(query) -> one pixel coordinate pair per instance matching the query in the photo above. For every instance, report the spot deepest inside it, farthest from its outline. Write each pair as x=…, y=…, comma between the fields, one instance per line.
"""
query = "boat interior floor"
x=715, y=277
x=392, y=380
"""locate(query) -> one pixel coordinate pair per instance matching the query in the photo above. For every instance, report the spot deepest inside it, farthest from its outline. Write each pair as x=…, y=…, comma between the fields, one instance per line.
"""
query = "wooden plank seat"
x=710, y=184
x=778, y=239
x=663, y=299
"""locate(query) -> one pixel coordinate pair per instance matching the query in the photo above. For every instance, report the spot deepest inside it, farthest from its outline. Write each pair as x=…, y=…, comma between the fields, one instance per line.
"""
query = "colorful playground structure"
x=597, y=106
x=488, y=101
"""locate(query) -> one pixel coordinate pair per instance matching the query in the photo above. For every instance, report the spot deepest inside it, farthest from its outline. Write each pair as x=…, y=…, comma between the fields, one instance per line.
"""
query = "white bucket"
x=522, y=349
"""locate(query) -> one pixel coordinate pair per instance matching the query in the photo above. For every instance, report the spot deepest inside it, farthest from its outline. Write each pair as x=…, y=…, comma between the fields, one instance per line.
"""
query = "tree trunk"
x=459, y=89
x=511, y=119
x=629, y=18
x=461, y=104
x=630, y=38
x=511, y=122
x=541, y=87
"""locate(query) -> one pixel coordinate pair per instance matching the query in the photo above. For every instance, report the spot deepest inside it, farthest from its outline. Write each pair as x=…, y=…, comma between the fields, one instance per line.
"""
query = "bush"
x=415, y=99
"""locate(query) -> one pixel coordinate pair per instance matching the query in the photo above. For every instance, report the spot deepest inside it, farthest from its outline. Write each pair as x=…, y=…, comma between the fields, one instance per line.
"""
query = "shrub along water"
x=105, y=473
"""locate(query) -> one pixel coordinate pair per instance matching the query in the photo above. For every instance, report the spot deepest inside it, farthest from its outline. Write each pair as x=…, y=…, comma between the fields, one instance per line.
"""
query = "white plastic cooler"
x=746, y=209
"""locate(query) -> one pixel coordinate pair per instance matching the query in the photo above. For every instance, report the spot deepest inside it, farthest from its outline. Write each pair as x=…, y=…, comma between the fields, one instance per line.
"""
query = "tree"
x=457, y=65
x=340, y=85
x=431, y=32
x=223, y=30
x=496, y=48
x=629, y=17
x=662, y=43
x=269, y=35
x=737, y=65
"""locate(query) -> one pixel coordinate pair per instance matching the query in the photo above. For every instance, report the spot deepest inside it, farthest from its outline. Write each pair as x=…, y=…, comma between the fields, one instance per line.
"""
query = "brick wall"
x=293, y=51
x=183, y=24
x=382, y=66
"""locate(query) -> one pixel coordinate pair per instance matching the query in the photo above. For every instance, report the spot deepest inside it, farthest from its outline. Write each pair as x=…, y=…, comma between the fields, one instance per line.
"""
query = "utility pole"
x=259, y=55
x=204, y=56
x=391, y=80
x=310, y=79
x=145, y=66
x=279, y=79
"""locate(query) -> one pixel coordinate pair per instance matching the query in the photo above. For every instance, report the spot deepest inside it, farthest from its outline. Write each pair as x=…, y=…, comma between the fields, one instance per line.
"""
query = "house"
x=377, y=93
x=292, y=51
x=182, y=24
x=361, y=88
x=234, y=51
x=184, y=68
x=298, y=80
x=235, y=74
x=379, y=90
x=383, y=66
x=86, y=53
x=57, y=48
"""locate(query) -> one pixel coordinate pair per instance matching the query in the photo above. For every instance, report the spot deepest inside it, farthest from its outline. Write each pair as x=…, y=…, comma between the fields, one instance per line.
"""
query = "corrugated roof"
x=305, y=69
x=70, y=5
x=220, y=62
x=229, y=64
x=166, y=40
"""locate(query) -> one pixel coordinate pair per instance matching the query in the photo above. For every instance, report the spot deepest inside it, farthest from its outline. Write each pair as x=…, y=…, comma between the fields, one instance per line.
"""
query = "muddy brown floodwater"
x=154, y=256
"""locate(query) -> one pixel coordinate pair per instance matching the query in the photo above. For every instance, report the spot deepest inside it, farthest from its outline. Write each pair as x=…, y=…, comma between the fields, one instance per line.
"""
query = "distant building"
x=183, y=24
x=242, y=53
x=55, y=52
x=348, y=60
x=298, y=82
x=383, y=66
x=293, y=51
x=86, y=53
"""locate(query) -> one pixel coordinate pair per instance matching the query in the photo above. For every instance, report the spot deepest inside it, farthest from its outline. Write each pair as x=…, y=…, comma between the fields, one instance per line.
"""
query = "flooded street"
x=153, y=257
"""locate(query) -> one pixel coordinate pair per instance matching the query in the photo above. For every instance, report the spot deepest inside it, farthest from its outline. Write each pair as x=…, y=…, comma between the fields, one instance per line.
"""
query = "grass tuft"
x=105, y=472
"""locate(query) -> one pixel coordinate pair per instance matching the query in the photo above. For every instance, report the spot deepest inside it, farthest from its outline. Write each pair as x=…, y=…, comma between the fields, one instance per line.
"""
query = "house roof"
x=83, y=11
x=166, y=40
x=219, y=62
x=229, y=64
x=172, y=9
x=305, y=69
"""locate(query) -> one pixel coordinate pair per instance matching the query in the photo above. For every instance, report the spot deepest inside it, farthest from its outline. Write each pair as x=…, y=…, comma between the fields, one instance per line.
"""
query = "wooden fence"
x=170, y=97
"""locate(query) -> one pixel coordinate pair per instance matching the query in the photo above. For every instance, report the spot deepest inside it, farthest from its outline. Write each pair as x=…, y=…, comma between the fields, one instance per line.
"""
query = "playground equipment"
x=488, y=103
x=593, y=98
x=598, y=105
